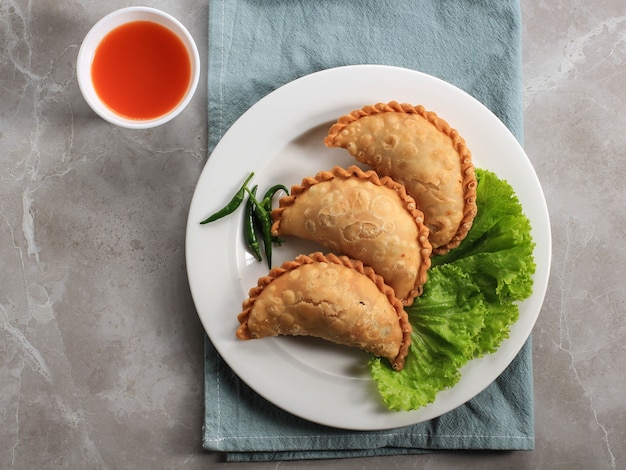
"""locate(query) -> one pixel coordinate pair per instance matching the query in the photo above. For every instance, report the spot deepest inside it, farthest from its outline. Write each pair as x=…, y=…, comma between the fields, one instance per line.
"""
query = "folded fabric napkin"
x=255, y=46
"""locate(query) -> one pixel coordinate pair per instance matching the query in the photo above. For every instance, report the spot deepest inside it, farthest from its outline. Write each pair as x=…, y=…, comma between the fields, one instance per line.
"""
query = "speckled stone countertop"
x=100, y=345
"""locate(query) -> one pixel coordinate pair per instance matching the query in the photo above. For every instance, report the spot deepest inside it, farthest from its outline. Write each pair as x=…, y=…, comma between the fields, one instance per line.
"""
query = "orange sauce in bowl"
x=141, y=70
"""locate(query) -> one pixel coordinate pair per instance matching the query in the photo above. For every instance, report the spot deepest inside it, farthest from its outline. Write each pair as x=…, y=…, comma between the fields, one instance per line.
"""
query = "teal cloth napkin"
x=255, y=46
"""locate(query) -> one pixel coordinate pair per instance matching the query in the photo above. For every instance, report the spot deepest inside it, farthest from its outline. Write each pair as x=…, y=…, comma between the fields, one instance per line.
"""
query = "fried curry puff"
x=420, y=150
x=330, y=297
x=358, y=214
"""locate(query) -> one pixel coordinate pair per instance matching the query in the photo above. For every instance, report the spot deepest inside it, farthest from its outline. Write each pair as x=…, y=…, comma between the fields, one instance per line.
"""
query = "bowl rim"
x=108, y=23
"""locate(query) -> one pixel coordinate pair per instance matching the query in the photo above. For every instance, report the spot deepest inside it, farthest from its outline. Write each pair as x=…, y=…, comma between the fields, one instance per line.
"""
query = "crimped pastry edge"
x=318, y=257
x=374, y=178
x=467, y=167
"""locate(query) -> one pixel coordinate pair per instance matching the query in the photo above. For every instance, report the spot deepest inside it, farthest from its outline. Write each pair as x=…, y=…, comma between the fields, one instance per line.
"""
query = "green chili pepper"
x=269, y=195
x=267, y=205
x=249, y=227
x=266, y=225
x=232, y=206
x=257, y=216
x=258, y=224
x=265, y=221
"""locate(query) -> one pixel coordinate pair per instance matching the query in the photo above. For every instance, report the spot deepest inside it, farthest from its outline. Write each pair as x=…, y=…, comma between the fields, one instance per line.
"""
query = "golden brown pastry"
x=357, y=214
x=420, y=150
x=330, y=297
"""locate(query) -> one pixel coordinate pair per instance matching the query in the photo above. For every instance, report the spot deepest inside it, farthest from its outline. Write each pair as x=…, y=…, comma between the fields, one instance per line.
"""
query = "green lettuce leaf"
x=498, y=319
x=498, y=250
x=468, y=304
x=450, y=315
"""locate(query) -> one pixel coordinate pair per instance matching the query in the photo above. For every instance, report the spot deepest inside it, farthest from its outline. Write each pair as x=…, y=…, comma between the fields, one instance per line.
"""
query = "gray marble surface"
x=100, y=345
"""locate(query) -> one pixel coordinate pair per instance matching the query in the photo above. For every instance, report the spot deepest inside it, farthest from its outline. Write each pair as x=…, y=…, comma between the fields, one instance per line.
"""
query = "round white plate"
x=280, y=138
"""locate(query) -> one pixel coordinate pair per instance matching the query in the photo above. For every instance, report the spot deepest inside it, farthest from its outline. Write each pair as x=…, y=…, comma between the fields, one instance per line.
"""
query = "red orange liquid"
x=141, y=70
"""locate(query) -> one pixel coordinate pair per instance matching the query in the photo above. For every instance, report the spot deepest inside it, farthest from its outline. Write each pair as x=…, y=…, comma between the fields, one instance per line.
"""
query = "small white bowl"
x=95, y=36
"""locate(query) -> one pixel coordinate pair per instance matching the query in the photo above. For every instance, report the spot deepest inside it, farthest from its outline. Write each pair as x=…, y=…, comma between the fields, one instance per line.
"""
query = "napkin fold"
x=255, y=46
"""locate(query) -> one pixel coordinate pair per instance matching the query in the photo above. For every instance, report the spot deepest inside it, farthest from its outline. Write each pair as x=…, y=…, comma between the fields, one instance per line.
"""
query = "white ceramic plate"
x=280, y=139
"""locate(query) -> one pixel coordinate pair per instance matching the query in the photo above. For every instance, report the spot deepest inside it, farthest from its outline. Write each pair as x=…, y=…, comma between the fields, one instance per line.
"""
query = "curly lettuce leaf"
x=498, y=319
x=446, y=321
x=498, y=250
x=468, y=304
